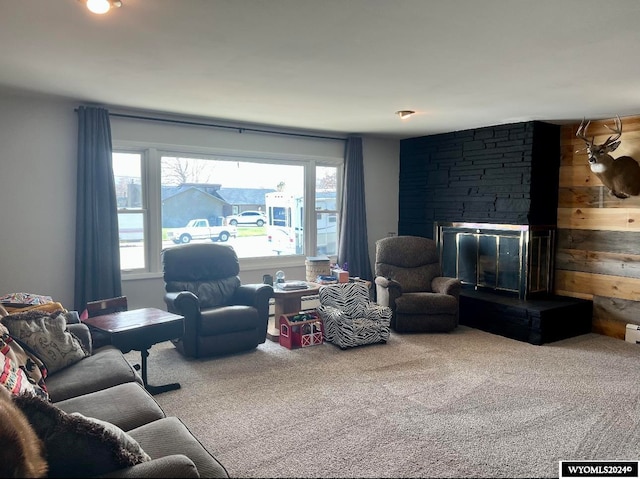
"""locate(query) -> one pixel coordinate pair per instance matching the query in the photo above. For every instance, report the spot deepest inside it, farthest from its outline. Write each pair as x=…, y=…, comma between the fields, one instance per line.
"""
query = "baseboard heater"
x=633, y=333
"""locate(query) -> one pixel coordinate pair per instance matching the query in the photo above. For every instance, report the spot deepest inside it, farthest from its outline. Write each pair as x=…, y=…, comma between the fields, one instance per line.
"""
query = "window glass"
x=327, y=210
x=203, y=199
x=255, y=205
x=285, y=222
x=127, y=172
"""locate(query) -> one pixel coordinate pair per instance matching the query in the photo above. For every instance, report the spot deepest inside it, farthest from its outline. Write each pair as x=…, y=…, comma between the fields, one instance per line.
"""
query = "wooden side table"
x=287, y=302
x=139, y=329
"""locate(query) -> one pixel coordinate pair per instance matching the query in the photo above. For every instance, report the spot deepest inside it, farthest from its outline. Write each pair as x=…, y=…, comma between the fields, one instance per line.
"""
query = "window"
x=256, y=205
x=127, y=172
x=327, y=210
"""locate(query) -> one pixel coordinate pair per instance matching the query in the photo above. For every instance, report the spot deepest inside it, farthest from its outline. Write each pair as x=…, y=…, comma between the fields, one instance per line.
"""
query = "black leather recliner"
x=221, y=315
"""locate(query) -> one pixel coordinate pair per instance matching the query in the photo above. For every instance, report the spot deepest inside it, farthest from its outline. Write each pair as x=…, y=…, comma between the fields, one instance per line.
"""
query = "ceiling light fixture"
x=404, y=114
x=101, y=7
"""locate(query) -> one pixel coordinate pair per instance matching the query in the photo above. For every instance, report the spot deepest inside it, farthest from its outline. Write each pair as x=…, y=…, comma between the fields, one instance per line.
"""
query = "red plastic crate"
x=301, y=334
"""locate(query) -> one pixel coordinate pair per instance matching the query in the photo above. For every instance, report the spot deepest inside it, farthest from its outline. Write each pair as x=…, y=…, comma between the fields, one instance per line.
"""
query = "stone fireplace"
x=507, y=174
x=489, y=197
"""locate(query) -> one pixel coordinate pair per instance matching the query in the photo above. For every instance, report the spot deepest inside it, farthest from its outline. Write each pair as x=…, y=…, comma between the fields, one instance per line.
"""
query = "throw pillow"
x=47, y=335
x=77, y=446
x=125, y=440
x=22, y=371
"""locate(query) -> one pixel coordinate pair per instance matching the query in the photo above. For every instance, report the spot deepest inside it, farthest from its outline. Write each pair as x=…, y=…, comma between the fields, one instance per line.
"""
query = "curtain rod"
x=213, y=125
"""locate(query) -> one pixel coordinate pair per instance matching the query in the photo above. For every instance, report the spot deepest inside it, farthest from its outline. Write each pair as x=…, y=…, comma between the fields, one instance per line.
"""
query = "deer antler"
x=581, y=133
x=617, y=130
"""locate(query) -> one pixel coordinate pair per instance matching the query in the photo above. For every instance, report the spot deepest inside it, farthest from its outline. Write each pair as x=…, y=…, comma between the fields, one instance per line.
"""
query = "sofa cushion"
x=106, y=367
x=126, y=405
x=47, y=335
x=174, y=465
x=77, y=446
x=169, y=436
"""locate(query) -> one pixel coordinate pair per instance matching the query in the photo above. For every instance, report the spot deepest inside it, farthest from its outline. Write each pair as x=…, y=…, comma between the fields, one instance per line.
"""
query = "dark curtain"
x=353, y=248
x=97, y=265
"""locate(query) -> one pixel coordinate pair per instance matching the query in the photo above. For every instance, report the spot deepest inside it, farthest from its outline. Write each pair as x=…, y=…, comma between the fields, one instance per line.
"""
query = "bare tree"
x=178, y=171
x=328, y=182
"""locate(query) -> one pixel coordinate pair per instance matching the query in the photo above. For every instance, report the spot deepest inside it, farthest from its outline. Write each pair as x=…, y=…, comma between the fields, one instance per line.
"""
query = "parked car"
x=200, y=229
x=257, y=218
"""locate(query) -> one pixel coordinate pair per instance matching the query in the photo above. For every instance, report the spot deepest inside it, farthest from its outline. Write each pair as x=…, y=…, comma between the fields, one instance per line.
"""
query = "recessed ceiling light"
x=404, y=114
x=101, y=6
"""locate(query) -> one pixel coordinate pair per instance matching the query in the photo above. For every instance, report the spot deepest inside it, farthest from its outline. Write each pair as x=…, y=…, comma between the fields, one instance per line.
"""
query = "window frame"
x=151, y=155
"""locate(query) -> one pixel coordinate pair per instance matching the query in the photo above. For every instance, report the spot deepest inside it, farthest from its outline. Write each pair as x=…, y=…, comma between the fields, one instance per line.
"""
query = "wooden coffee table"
x=287, y=302
x=139, y=329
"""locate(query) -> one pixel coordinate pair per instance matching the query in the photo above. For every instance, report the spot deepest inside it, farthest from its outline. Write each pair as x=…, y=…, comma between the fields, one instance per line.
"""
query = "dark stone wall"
x=505, y=174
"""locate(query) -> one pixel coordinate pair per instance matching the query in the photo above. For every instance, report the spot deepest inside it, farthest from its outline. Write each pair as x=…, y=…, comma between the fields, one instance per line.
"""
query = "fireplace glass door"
x=515, y=259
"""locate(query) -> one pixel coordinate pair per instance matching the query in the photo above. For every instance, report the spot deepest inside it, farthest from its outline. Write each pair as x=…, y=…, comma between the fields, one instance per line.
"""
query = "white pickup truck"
x=200, y=229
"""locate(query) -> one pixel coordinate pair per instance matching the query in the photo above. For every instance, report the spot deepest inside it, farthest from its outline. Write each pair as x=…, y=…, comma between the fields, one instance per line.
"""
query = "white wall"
x=381, y=179
x=38, y=137
x=37, y=195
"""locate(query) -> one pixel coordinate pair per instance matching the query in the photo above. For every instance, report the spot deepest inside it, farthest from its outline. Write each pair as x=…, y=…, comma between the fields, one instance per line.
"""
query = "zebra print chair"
x=350, y=317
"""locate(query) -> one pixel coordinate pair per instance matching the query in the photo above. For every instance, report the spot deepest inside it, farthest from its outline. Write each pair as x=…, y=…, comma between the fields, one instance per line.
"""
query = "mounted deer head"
x=620, y=175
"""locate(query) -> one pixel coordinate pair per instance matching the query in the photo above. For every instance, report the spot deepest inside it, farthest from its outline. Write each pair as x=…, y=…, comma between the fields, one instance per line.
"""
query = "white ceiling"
x=340, y=66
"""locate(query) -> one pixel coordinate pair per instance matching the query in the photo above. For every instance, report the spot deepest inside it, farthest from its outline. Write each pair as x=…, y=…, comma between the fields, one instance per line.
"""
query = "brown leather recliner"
x=408, y=280
x=221, y=315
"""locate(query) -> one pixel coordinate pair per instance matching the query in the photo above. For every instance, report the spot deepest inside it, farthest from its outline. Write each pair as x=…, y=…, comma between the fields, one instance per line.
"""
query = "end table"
x=139, y=329
x=286, y=302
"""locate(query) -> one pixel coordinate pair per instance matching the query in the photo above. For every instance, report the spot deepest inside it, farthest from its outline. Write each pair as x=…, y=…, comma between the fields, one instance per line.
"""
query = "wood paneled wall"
x=598, y=247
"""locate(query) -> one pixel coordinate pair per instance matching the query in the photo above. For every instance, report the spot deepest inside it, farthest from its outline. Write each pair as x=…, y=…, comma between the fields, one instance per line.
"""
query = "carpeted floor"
x=465, y=404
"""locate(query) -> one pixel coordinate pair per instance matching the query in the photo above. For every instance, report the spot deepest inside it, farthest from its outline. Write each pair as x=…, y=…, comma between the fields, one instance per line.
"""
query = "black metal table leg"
x=154, y=389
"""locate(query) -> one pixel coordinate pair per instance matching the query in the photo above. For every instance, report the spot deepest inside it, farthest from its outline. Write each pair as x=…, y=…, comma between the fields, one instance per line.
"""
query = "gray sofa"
x=105, y=386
